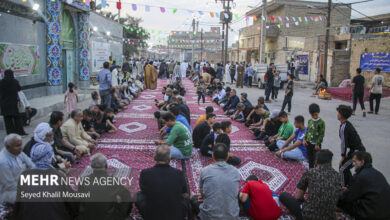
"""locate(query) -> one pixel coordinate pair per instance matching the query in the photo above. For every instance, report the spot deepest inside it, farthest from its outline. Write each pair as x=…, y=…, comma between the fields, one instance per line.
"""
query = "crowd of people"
x=164, y=192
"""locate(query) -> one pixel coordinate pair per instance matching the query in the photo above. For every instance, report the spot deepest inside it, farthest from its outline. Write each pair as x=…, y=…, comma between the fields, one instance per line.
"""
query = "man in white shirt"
x=221, y=93
x=376, y=91
x=183, y=68
x=12, y=163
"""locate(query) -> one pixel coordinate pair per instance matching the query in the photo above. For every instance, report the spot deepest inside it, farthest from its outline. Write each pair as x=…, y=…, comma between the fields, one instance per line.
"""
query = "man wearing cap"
x=244, y=99
x=242, y=112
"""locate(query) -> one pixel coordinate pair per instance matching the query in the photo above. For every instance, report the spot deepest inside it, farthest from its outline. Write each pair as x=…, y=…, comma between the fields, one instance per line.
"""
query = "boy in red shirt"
x=258, y=200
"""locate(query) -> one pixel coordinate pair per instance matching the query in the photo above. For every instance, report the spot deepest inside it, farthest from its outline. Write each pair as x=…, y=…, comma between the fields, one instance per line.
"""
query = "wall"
x=19, y=30
x=115, y=41
x=368, y=44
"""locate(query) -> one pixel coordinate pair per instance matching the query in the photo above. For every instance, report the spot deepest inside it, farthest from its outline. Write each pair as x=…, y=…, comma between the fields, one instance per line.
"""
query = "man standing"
x=232, y=70
x=322, y=184
x=104, y=79
x=183, y=69
x=376, y=91
x=367, y=198
x=250, y=73
x=12, y=163
x=358, y=91
x=218, y=184
x=163, y=189
x=240, y=76
x=171, y=67
x=269, y=81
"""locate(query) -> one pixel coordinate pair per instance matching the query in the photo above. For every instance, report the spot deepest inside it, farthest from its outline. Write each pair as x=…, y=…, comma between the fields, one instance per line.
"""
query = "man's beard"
x=358, y=166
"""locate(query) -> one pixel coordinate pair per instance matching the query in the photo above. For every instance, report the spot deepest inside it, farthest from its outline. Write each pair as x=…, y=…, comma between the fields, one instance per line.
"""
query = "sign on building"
x=371, y=61
x=100, y=53
x=22, y=59
x=303, y=67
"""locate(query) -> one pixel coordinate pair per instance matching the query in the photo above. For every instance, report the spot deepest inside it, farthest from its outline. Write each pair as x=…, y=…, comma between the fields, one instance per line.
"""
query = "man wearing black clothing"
x=163, y=189
x=226, y=127
x=358, y=91
x=208, y=142
x=211, y=71
x=230, y=106
x=350, y=139
x=367, y=197
x=202, y=130
x=269, y=81
x=242, y=112
x=126, y=67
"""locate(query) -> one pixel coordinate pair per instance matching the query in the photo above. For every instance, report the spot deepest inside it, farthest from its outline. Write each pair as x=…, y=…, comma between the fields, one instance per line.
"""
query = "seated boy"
x=295, y=151
x=256, y=118
x=202, y=118
x=226, y=127
x=88, y=124
x=207, y=145
x=108, y=118
x=284, y=132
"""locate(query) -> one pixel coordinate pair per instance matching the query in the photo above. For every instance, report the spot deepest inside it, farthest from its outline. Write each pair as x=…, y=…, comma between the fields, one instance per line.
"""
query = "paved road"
x=374, y=130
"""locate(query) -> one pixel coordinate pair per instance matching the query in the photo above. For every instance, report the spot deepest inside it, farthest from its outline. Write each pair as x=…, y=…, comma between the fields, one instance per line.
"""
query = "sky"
x=182, y=19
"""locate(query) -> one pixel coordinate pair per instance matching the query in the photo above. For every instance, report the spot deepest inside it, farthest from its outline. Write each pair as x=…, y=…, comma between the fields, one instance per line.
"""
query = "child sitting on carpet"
x=108, y=118
x=207, y=145
x=285, y=131
x=224, y=138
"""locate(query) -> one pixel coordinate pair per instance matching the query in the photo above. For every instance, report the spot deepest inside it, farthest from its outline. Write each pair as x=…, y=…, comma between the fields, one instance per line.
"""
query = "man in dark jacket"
x=126, y=67
x=230, y=106
x=367, y=197
x=202, y=130
x=269, y=81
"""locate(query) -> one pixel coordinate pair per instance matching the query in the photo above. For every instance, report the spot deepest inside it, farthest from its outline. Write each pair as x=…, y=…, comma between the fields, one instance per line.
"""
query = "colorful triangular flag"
x=174, y=10
x=134, y=6
x=200, y=12
x=216, y=14
x=147, y=8
x=211, y=14
x=162, y=9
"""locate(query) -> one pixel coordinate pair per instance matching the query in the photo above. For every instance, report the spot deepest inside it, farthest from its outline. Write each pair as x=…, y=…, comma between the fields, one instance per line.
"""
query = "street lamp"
x=35, y=7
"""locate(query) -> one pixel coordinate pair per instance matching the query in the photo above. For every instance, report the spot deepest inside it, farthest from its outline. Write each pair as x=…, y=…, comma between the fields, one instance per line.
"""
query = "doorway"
x=68, y=48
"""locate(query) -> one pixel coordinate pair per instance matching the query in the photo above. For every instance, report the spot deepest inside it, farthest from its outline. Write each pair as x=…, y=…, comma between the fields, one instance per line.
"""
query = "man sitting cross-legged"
x=163, y=189
x=218, y=185
x=284, y=132
x=202, y=118
x=230, y=106
x=295, y=151
x=256, y=120
x=179, y=138
x=202, y=130
x=258, y=200
x=224, y=138
x=242, y=112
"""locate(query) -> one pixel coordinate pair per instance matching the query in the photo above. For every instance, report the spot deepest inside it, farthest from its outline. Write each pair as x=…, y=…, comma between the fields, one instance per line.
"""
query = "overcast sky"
x=181, y=20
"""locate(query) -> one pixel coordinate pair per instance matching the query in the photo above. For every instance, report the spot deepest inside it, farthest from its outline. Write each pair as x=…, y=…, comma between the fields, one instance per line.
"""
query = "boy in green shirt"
x=314, y=134
x=179, y=138
x=285, y=131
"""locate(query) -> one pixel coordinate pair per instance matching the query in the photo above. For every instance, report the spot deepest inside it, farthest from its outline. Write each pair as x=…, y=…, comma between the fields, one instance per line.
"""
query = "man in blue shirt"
x=175, y=110
x=104, y=79
x=230, y=106
x=295, y=151
x=244, y=99
x=250, y=72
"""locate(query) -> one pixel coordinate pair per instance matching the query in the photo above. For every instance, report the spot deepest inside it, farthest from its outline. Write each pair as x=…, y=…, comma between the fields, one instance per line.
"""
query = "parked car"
x=261, y=70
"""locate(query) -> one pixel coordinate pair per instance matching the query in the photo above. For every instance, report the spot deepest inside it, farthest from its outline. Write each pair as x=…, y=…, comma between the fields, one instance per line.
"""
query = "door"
x=68, y=68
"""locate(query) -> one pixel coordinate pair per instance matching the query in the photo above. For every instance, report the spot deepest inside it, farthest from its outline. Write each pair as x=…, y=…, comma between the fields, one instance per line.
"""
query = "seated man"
x=244, y=99
x=230, y=106
x=218, y=185
x=73, y=131
x=284, y=132
x=163, y=189
x=258, y=200
x=367, y=197
x=106, y=201
x=183, y=108
x=202, y=130
x=321, y=84
x=88, y=124
x=202, y=118
x=261, y=102
x=256, y=118
x=12, y=163
x=221, y=93
x=175, y=110
x=322, y=184
x=226, y=127
x=207, y=145
x=225, y=99
x=242, y=112
x=179, y=138
x=270, y=127
x=295, y=151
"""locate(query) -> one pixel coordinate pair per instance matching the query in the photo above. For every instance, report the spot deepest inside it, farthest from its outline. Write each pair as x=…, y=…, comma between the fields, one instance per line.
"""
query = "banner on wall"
x=22, y=59
x=100, y=53
x=371, y=61
x=303, y=64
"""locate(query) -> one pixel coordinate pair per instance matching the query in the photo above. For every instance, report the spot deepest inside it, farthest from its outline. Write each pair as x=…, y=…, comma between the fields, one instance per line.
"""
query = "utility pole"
x=192, y=41
x=327, y=38
x=223, y=40
x=238, y=47
x=263, y=33
x=226, y=37
x=225, y=28
x=201, y=45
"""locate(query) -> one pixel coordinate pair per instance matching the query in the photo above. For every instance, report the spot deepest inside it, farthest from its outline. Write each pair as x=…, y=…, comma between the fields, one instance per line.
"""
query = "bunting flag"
x=104, y=3
x=296, y=23
x=305, y=18
x=174, y=10
x=288, y=19
x=126, y=27
x=236, y=16
x=134, y=6
x=320, y=18
x=119, y=5
x=287, y=25
x=87, y=2
x=262, y=17
x=200, y=12
x=280, y=18
x=272, y=18
x=324, y=17
x=147, y=8
x=216, y=14
x=246, y=17
x=311, y=18
x=162, y=9
x=299, y=19
x=212, y=14
x=316, y=19
x=267, y=27
x=293, y=18
x=278, y=25
x=254, y=17
x=226, y=15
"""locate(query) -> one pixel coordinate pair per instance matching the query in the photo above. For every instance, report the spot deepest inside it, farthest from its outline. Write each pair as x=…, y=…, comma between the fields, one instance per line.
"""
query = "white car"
x=261, y=70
